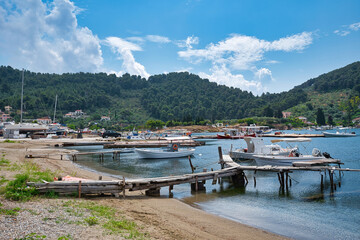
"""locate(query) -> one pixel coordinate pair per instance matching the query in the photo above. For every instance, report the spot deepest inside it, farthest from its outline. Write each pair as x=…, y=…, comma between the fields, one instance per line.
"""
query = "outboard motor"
x=316, y=152
x=327, y=155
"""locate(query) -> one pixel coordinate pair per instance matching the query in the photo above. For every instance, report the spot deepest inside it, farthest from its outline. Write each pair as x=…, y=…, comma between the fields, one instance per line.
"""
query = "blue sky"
x=259, y=46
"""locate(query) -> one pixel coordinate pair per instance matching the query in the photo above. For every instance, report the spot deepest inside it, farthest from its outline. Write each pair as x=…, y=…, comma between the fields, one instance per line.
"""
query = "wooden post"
x=123, y=183
x=282, y=179
x=79, y=189
x=254, y=181
x=245, y=178
x=215, y=179
x=279, y=178
x=204, y=181
x=196, y=184
x=331, y=180
x=221, y=159
x=100, y=178
x=61, y=157
x=192, y=167
x=286, y=180
x=322, y=182
x=171, y=187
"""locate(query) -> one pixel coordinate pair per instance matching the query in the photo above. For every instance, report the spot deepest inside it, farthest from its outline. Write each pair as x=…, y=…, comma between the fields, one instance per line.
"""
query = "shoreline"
x=162, y=218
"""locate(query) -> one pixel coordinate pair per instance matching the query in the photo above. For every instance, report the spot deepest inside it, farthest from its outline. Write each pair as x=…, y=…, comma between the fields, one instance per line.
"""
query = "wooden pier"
x=293, y=135
x=153, y=144
x=229, y=168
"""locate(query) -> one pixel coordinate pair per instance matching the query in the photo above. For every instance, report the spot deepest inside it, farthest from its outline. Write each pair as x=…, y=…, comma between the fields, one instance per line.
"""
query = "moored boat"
x=172, y=151
x=339, y=134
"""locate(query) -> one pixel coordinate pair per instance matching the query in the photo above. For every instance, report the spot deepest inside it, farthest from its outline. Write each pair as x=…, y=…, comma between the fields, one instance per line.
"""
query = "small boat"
x=339, y=134
x=234, y=134
x=256, y=146
x=294, y=155
x=172, y=151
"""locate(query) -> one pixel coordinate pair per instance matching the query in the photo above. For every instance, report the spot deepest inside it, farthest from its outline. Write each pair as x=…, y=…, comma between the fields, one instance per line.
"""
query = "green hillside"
x=328, y=91
x=175, y=96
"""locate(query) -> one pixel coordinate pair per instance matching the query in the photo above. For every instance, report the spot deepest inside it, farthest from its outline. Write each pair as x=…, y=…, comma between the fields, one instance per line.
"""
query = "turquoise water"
x=302, y=212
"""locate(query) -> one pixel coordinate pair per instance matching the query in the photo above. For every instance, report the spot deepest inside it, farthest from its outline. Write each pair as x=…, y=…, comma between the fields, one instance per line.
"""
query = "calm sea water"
x=302, y=212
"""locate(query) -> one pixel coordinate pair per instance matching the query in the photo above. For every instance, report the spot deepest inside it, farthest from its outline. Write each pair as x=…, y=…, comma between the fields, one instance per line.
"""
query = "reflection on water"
x=303, y=211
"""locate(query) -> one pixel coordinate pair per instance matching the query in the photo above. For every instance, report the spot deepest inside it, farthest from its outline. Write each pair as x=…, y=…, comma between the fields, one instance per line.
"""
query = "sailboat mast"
x=22, y=95
x=55, y=109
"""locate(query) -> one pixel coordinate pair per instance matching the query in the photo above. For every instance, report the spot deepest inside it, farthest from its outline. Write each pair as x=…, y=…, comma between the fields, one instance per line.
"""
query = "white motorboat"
x=339, y=134
x=256, y=146
x=173, y=151
x=294, y=155
x=284, y=160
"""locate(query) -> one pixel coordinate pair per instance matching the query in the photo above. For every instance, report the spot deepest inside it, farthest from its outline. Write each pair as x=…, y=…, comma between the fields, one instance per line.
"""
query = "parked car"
x=110, y=133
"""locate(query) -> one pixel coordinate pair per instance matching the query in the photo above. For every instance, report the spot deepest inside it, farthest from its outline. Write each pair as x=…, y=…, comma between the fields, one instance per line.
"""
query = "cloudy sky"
x=259, y=46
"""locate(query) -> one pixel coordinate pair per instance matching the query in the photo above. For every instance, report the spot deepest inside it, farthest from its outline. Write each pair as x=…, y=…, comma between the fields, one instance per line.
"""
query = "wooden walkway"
x=229, y=168
x=152, y=144
x=292, y=135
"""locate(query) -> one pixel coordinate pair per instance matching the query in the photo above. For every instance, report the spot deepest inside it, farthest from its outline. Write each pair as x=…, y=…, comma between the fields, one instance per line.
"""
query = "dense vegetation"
x=175, y=97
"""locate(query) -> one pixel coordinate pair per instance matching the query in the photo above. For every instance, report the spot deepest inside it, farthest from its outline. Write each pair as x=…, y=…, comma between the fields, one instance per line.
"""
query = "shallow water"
x=302, y=212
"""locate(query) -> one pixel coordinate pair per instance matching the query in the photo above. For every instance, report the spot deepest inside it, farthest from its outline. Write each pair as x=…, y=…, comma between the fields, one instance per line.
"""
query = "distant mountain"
x=173, y=96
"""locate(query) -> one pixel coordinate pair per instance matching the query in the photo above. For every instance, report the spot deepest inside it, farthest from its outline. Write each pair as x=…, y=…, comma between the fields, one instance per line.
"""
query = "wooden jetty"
x=70, y=144
x=293, y=135
x=152, y=144
x=229, y=168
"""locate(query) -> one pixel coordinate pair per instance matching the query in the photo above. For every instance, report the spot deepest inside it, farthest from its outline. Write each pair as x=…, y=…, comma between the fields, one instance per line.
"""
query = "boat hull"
x=327, y=134
x=283, y=161
x=152, y=154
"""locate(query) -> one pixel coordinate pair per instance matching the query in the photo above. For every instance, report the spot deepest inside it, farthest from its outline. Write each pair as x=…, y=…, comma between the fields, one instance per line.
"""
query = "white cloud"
x=355, y=26
x=222, y=75
x=239, y=53
x=347, y=29
x=188, y=42
x=342, y=33
x=264, y=75
x=157, y=39
x=47, y=38
x=124, y=49
x=136, y=39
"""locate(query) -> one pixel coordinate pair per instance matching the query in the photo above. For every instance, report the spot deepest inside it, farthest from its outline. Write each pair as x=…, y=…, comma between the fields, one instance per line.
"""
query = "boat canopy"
x=291, y=140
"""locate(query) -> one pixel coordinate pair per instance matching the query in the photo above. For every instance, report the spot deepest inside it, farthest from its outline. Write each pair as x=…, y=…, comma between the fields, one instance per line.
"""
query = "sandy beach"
x=159, y=218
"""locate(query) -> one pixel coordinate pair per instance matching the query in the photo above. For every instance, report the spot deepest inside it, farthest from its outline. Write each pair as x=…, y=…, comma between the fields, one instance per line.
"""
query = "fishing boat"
x=172, y=151
x=339, y=134
x=294, y=155
x=234, y=134
x=256, y=146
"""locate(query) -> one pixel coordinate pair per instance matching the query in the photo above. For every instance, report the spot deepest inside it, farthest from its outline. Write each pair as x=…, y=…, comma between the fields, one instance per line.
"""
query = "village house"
x=44, y=120
x=76, y=114
x=356, y=120
x=8, y=109
x=303, y=119
x=286, y=114
x=5, y=117
x=105, y=118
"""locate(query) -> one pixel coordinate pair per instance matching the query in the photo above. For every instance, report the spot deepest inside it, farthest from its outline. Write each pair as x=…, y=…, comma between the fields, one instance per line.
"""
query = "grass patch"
x=112, y=222
x=18, y=190
x=4, y=162
x=11, y=212
x=32, y=236
x=9, y=141
x=91, y=220
x=3, y=180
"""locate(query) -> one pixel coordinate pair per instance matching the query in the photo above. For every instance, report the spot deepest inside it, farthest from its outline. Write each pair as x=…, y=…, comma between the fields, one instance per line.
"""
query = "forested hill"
x=173, y=96
x=347, y=77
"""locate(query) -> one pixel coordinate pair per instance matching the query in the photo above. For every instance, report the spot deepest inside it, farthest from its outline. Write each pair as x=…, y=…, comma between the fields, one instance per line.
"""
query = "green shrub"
x=91, y=220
